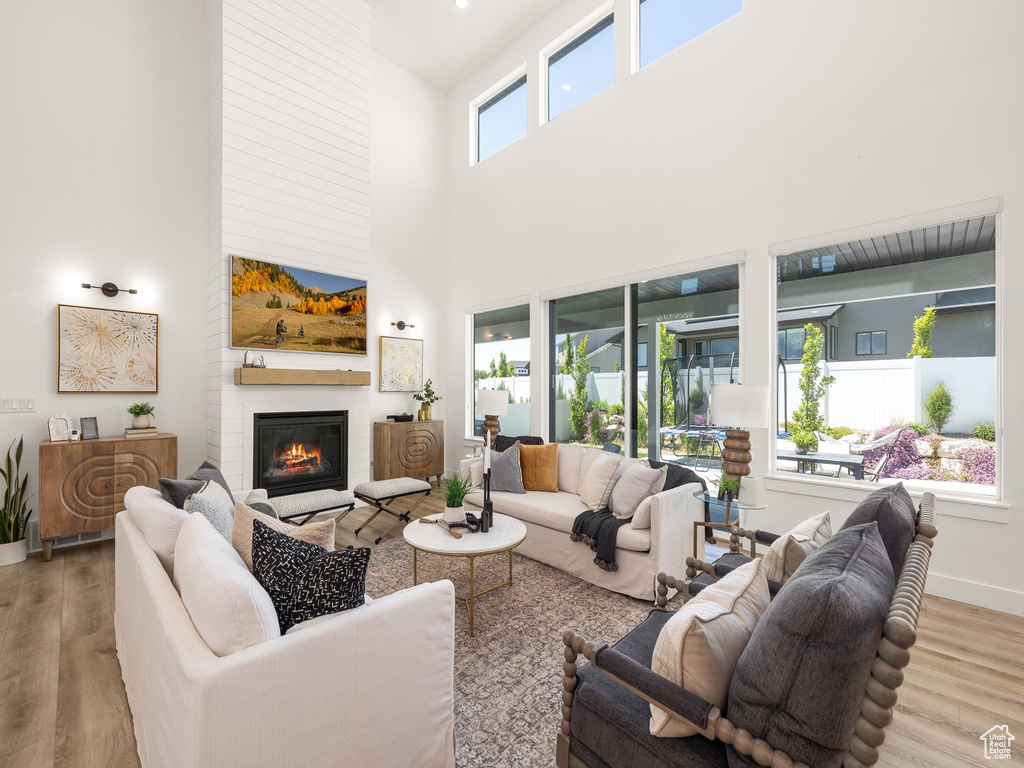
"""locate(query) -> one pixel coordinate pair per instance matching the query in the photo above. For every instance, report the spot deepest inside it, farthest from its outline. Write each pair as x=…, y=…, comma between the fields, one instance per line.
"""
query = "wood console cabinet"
x=82, y=483
x=408, y=449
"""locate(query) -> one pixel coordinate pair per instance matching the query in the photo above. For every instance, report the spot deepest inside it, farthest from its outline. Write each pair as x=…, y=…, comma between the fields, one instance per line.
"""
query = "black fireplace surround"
x=300, y=451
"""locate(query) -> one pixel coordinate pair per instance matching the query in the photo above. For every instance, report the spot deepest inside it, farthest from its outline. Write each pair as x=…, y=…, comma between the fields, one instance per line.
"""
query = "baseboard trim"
x=976, y=593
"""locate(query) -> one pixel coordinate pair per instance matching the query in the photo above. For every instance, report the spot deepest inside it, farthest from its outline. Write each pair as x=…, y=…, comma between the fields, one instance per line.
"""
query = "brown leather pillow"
x=540, y=467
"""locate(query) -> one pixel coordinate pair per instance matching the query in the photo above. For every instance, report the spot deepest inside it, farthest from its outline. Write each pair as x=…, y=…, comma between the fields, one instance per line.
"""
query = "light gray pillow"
x=632, y=488
x=506, y=470
x=213, y=502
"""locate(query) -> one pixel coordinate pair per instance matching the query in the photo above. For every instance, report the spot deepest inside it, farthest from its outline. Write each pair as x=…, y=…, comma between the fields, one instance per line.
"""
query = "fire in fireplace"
x=296, y=452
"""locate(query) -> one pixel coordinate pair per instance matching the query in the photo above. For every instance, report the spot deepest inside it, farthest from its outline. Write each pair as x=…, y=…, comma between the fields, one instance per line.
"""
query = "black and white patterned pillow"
x=305, y=581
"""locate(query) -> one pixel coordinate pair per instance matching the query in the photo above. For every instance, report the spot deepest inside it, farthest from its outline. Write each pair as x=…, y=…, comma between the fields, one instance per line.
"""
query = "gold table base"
x=473, y=594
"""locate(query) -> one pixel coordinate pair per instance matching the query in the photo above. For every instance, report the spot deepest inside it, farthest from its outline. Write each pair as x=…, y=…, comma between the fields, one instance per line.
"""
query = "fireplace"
x=300, y=451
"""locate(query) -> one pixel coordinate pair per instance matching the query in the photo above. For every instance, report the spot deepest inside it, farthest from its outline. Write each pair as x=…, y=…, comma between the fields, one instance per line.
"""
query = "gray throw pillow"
x=893, y=509
x=800, y=680
x=215, y=504
x=506, y=471
x=176, y=491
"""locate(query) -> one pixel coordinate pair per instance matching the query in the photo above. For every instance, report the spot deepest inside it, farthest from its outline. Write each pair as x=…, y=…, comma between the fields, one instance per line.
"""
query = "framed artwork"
x=401, y=364
x=106, y=350
x=274, y=306
x=59, y=426
x=90, y=427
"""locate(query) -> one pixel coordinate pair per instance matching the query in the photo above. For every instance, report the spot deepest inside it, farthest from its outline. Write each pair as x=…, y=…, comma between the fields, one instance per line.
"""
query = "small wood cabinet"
x=408, y=449
x=82, y=483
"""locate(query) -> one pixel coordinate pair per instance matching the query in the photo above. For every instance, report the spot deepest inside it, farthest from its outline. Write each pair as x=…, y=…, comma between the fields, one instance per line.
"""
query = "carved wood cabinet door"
x=76, y=494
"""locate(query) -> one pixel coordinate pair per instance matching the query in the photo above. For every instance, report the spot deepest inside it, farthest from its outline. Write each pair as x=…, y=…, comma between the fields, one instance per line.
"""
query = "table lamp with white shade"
x=492, y=403
x=740, y=407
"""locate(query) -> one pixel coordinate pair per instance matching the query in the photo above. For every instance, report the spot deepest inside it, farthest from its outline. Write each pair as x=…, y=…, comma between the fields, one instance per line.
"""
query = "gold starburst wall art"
x=103, y=350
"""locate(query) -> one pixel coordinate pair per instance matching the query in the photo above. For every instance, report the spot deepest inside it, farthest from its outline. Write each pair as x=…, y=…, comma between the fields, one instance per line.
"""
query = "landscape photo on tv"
x=274, y=306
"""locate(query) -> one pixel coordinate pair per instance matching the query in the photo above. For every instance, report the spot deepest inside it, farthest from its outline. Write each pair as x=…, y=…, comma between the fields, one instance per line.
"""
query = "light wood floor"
x=62, y=702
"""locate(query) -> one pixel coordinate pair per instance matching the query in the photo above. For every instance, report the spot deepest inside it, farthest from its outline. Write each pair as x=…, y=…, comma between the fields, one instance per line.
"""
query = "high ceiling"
x=442, y=44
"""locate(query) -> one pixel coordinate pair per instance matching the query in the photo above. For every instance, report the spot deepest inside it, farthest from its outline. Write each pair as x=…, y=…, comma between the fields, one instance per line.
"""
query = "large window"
x=581, y=69
x=901, y=328
x=588, y=385
x=501, y=360
x=501, y=119
x=667, y=24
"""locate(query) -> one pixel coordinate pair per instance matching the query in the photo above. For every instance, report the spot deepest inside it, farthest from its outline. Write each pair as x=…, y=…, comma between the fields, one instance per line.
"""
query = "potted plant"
x=15, y=512
x=142, y=415
x=804, y=442
x=728, y=487
x=428, y=397
x=455, y=489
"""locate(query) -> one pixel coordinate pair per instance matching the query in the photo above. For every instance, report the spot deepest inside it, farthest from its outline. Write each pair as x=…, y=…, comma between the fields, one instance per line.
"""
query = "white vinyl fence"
x=870, y=394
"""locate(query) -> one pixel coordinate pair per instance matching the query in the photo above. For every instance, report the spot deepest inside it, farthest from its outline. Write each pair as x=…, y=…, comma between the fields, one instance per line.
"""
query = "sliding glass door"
x=588, y=380
x=501, y=360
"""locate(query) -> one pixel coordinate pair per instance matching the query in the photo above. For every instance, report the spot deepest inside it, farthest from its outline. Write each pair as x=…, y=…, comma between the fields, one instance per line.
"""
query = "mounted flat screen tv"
x=275, y=306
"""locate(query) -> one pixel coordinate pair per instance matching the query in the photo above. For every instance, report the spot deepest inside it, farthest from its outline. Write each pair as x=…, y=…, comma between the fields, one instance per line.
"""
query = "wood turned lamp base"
x=491, y=429
x=736, y=454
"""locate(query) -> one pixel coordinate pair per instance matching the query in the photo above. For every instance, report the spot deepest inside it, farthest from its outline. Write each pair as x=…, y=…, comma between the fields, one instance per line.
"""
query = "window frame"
x=871, y=343
x=490, y=97
x=833, y=341
x=785, y=345
x=578, y=30
x=637, y=36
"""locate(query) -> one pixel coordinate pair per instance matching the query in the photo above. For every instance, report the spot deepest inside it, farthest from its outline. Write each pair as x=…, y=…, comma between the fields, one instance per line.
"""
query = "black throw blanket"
x=598, y=529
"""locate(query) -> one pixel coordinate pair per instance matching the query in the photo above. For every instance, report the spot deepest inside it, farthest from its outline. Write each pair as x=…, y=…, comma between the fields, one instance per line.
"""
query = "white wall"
x=793, y=118
x=102, y=177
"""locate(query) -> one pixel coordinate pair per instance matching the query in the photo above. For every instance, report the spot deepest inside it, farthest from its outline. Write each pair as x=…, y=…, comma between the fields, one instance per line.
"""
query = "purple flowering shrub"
x=928, y=469
x=700, y=419
x=904, y=454
x=594, y=426
x=979, y=464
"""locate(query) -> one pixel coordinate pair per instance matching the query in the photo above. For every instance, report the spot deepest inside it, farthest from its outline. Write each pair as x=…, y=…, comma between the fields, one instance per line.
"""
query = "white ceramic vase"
x=145, y=421
x=454, y=515
x=14, y=552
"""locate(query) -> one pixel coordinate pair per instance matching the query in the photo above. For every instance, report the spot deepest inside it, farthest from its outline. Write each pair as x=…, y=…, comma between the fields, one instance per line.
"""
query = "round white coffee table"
x=506, y=534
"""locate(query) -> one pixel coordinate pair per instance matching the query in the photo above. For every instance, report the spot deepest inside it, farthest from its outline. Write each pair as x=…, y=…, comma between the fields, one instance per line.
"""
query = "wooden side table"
x=82, y=483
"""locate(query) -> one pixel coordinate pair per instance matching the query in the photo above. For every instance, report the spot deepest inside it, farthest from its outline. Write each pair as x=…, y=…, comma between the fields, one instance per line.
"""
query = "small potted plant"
x=804, y=442
x=454, y=491
x=142, y=415
x=428, y=397
x=728, y=487
x=14, y=513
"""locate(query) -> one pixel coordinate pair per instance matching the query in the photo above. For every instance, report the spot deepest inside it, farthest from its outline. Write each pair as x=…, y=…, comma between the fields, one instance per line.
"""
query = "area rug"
x=508, y=678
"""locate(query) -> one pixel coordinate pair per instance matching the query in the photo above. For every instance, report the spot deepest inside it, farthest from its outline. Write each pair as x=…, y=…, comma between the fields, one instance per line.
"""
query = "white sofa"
x=368, y=688
x=640, y=553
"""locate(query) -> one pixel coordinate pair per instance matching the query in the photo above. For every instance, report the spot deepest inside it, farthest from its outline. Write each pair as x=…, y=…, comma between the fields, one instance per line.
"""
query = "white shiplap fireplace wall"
x=289, y=181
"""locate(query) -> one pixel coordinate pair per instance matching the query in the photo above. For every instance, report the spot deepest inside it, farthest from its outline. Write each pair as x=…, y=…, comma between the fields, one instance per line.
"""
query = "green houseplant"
x=728, y=487
x=142, y=415
x=804, y=442
x=15, y=512
x=428, y=397
x=454, y=491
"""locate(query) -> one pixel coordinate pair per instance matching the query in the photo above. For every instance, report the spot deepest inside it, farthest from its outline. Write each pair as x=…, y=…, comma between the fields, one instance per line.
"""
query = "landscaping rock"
x=954, y=466
x=949, y=448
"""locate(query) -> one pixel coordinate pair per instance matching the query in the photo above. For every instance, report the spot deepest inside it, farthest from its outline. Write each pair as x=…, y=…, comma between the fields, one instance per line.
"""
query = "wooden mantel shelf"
x=301, y=377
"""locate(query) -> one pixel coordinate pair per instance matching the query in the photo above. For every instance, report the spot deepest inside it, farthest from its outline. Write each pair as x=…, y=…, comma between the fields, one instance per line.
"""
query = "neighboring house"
x=521, y=367
x=604, y=348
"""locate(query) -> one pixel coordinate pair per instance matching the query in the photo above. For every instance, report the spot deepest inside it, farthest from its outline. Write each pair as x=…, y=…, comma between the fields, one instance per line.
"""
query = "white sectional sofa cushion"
x=570, y=462
x=594, y=481
x=229, y=608
x=158, y=520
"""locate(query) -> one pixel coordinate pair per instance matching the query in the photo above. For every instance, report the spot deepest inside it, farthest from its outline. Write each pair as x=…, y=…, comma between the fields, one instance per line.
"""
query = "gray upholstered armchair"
x=606, y=704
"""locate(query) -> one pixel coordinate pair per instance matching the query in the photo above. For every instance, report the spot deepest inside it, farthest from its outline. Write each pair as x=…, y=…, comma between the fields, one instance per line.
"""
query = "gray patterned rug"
x=508, y=678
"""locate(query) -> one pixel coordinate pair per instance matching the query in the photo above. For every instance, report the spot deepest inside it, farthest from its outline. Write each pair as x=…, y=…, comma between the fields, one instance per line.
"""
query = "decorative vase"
x=12, y=553
x=145, y=421
x=454, y=515
x=425, y=410
x=800, y=451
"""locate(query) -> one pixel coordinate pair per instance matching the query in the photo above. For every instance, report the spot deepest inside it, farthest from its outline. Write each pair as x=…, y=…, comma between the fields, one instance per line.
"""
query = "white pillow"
x=570, y=462
x=590, y=455
x=597, y=477
x=476, y=473
x=158, y=519
x=632, y=488
x=699, y=646
x=606, y=497
x=228, y=607
x=642, y=517
x=789, y=550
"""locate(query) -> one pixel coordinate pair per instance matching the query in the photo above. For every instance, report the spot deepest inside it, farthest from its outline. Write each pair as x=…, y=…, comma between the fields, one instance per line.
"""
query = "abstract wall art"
x=106, y=350
x=401, y=364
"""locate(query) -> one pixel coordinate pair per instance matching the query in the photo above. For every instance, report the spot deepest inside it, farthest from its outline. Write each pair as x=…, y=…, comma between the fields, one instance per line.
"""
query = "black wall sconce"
x=402, y=325
x=109, y=289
